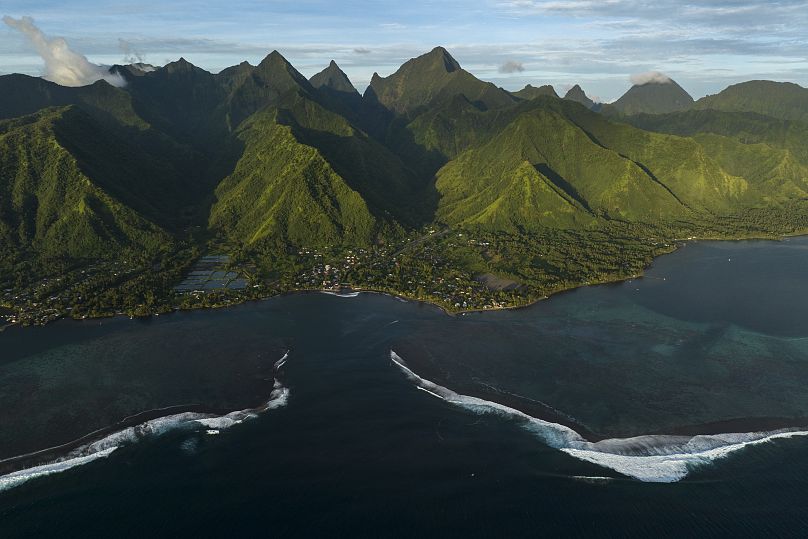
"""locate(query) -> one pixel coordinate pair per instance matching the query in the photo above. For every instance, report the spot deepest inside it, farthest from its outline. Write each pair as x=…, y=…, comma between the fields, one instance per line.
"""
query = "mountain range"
x=262, y=157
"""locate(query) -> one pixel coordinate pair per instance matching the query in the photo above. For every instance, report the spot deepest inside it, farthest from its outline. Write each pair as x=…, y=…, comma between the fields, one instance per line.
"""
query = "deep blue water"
x=716, y=332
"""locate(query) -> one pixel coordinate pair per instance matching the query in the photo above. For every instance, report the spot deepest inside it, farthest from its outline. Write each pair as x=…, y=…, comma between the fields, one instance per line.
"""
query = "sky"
x=599, y=44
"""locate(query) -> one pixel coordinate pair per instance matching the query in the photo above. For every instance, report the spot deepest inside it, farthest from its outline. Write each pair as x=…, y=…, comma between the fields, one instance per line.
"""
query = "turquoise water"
x=717, y=332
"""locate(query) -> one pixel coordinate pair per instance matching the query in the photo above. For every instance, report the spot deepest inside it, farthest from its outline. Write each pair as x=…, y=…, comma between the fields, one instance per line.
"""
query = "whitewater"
x=649, y=458
x=105, y=446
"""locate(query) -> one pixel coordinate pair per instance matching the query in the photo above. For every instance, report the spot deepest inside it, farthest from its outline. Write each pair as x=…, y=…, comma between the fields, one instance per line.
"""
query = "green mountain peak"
x=783, y=100
x=179, y=66
x=433, y=77
x=532, y=92
x=263, y=86
x=334, y=79
x=440, y=56
x=577, y=94
x=654, y=97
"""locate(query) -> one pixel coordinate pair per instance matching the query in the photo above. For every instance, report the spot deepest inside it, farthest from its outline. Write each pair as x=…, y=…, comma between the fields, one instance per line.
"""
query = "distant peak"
x=334, y=68
x=334, y=78
x=275, y=61
x=181, y=65
x=575, y=90
x=533, y=92
x=577, y=94
x=653, y=93
x=277, y=72
x=274, y=56
x=440, y=54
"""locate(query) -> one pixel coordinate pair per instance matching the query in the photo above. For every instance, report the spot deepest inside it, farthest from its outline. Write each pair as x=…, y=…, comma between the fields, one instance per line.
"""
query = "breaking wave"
x=651, y=458
x=105, y=446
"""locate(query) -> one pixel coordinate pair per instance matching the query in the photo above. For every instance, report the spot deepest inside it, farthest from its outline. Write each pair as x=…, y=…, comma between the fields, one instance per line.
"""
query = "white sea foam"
x=19, y=477
x=154, y=427
x=652, y=458
x=592, y=478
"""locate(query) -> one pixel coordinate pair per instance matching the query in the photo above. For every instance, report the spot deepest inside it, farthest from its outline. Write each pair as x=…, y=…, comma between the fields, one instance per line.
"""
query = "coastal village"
x=55, y=297
x=449, y=268
x=414, y=268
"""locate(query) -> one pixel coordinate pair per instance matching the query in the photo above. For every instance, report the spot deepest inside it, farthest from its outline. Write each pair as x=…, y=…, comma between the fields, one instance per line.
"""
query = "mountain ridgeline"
x=260, y=157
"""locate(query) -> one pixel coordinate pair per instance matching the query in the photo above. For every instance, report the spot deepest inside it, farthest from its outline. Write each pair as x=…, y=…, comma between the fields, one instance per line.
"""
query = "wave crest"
x=651, y=458
x=105, y=446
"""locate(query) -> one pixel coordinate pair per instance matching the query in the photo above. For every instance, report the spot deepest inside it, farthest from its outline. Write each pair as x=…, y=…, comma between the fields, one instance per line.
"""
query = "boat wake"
x=651, y=458
x=340, y=294
x=103, y=447
x=282, y=361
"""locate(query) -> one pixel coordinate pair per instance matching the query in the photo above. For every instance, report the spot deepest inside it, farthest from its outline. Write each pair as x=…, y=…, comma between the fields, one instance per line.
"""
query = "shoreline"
x=675, y=245
x=526, y=405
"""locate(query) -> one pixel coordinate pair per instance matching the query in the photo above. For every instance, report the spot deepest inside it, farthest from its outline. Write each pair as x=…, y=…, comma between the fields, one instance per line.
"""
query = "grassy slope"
x=282, y=189
x=24, y=95
x=367, y=166
x=599, y=181
x=782, y=100
x=144, y=169
x=745, y=127
x=769, y=152
x=51, y=207
x=680, y=164
x=611, y=169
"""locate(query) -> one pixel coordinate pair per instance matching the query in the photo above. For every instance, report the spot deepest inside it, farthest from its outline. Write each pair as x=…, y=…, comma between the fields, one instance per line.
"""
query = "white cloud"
x=655, y=77
x=511, y=66
x=130, y=54
x=62, y=65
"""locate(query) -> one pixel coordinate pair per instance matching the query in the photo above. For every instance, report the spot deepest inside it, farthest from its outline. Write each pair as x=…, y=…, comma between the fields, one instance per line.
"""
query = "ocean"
x=672, y=405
